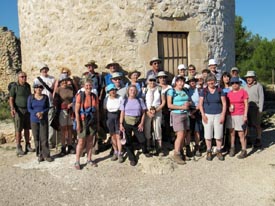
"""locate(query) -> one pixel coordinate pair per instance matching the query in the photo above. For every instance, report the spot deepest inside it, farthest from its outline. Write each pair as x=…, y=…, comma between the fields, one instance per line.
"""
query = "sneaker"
x=114, y=157
x=28, y=148
x=219, y=155
x=19, y=151
x=197, y=151
x=232, y=152
x=62, y=152
x=77, y=165
x=178, y=159
x=188, y=151
x=209, y=156
x=120, y=158
x=258, y=143
x=92, y=163
x=49, y=159
x=242, y=155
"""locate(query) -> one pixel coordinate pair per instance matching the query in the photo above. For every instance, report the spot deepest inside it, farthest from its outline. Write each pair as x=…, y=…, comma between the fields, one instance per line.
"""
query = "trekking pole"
x=153, y=135
x=39, y=141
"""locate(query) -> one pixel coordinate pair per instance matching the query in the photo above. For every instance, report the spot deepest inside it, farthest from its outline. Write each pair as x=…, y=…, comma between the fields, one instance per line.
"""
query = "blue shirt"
x=212, y=103
x=35, y=105
x=194, y=94
x=179, y=98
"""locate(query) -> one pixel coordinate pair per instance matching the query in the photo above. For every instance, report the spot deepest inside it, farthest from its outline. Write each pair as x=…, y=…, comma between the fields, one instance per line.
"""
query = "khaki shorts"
x=65, y=118
x=235, y=122
x=180, y=122
x=22, y=120
x=213, y=126
x=86, y=131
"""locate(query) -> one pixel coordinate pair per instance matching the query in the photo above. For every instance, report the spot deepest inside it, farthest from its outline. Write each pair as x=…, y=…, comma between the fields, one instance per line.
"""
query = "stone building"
x=10, y=57
x=131, y=32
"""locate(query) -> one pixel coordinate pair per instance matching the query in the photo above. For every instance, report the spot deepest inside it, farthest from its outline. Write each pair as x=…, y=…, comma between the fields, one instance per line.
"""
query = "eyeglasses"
x=23, y=76
x=38, y=87
x=64, y=72
x=116, y=79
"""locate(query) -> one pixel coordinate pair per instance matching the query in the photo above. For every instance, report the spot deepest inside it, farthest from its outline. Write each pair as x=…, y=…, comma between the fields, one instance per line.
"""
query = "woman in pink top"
x=238, y=106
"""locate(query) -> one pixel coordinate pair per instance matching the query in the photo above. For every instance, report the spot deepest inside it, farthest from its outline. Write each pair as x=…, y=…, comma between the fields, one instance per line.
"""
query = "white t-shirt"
x=50, y=81
x=112, y=105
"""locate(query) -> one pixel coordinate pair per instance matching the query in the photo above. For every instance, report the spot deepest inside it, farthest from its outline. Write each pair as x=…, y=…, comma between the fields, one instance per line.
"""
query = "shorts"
x=235, y=122
x=180, y=122
x=113, y=122
x=65, y=118
x=86, y=130
x=213, y=126
x=254, y=116
x=22, y=120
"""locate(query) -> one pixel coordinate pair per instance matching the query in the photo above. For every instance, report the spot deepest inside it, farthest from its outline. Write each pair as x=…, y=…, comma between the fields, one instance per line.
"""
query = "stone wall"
x=71, y=32
x=10, y=58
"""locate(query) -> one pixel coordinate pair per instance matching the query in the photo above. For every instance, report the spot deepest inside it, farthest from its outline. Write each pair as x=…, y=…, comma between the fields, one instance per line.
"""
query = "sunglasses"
x=116, y=79
x=235, y=83
x=23, y=76
x=39, y=87
x=64, y=72
x=163, y=77
x=152, y=80
x=155, y=63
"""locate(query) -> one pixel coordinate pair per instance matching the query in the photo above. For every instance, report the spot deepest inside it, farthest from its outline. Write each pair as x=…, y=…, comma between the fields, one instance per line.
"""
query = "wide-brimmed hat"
x=181, y=66
x=110, y=87
x=212, y=62
x=151, y=77
x=155, y=59
x=135, y=71
x=235, y=80
x=91, y=63
x=42, y=66
x=161, y=74
x=112, y=62
x=250, y=74
x=192, y=79
x=63, y=77
x=234, y=69
x=117, y=75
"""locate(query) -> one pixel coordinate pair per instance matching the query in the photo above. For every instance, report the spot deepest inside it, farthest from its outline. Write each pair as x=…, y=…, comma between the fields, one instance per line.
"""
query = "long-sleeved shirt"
x=35, y=105
x=256, y=95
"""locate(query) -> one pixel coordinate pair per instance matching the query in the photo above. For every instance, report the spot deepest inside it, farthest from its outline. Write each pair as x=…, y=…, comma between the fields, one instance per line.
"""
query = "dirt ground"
x=154, y=181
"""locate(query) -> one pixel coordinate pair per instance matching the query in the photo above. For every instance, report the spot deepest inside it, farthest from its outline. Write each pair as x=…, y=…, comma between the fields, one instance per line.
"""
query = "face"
x=162, y=80
x=250, y=80
x=112, y=93
x=132, y=92
x=235, y=85
x=192, y=84
x=191, y=71
x=134, y=76
x=90, y=68
x=116, y=81
x=113, y=68
x=179, y=84
x=22, y=77
x=200, y=81
x=234, y=73
x=88, y=86
x=155, y=65
x=151, y=83
x=211, y=84
x=212, y=67
x=226, y=79
x=182, y=72
x=65, y=72
x=38, y=89
x=44, y=72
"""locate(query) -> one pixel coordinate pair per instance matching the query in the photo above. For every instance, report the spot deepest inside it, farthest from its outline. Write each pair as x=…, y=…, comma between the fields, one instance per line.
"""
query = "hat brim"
x=108, y=65
x=94, y=65
x=131, y=73
x=246, y=76
x=155, y=60
x=44, y=68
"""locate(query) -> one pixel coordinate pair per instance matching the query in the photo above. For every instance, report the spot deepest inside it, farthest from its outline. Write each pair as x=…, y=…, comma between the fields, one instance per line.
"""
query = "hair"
x=134, y=86
x=21, y=72
x=86, y=80
x=191, y=66
x=62, y=68
x=224, y=74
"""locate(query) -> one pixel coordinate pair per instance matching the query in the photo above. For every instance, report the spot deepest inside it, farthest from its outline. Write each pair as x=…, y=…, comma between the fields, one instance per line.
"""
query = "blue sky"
x=258, y=16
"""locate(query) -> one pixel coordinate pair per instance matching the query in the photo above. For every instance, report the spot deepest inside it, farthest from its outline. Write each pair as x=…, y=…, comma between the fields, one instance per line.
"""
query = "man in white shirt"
x=48, y=82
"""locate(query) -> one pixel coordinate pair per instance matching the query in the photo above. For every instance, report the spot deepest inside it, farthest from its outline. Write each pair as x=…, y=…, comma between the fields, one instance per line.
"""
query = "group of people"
x=196, y=106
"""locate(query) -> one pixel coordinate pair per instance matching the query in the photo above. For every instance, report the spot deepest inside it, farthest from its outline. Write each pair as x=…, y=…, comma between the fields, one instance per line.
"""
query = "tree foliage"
x=254, y=52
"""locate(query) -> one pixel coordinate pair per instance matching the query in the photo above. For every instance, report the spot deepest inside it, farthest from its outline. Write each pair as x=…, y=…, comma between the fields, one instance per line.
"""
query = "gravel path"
x=154, y=181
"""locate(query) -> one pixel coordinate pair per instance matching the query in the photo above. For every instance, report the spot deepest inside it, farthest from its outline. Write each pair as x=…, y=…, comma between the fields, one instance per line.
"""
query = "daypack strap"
x=45, y=85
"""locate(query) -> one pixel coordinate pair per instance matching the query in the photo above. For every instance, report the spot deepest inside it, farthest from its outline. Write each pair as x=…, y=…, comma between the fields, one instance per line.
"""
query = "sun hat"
x=37, y=84
x=234, y=69
x=135, y=71
x=235, y=80
x=110, y=87
x=63, y=77
x=116, y=75
x=212, y=62
x=151, y=77
x=112, y=62
x=91, y=63
x=161, y=74
x=210, y=77
x=42, y=66
x=181, y=66
x=155, y=59
x=250, y=74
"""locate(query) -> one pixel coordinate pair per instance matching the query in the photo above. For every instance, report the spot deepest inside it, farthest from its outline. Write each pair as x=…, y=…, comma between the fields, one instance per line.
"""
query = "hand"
x=245, y=119
x=222, y=119
x=140, y=127
x=121, y=128
x=78, y=127
x=204, y=119
x=13, y=113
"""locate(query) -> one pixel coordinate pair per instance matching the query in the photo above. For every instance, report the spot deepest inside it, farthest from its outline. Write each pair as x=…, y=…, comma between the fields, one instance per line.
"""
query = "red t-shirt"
x=237, y=99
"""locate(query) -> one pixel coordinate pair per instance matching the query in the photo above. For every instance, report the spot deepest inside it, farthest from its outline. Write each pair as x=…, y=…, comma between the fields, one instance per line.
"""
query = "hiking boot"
x=114, y=157
x=120, y=158
x=258, y=143
x=71, y=150
x=19, y=151
x=133, y=163
x=219, y=155
x=209, y=156
x=63, y=151
x=92, y=163
x=160, y=151
x=197, y=151
x=232, y=152
x=28, y=148
x=147, y=155
x=242, y=155
x=178, y=159
x=49, y=159
x=41, y=158
x=188, y=151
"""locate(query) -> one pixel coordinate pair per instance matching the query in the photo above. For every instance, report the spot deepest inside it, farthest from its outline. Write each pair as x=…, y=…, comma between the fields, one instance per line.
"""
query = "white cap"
x=212, y=62
x=181, y=66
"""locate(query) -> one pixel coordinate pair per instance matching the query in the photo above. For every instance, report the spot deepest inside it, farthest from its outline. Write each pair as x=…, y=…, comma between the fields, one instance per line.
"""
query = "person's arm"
x=261, y=97
x=245, y=110
x=204, y=117
x=141, y=124
x=121, y=119
x=11, y=102
x=223, y=109
x=163, y=102
x=77, y=116
x=172, y=106
x=97, y=115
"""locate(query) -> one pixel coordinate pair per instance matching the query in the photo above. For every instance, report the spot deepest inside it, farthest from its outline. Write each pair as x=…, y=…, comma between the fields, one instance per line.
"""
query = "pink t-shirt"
x=237, y=99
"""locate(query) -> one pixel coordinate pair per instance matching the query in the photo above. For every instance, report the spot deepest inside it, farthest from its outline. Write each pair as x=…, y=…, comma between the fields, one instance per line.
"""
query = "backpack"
x=12, y=84
x=89, y=118
x=206, y=91
x=146, y=90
